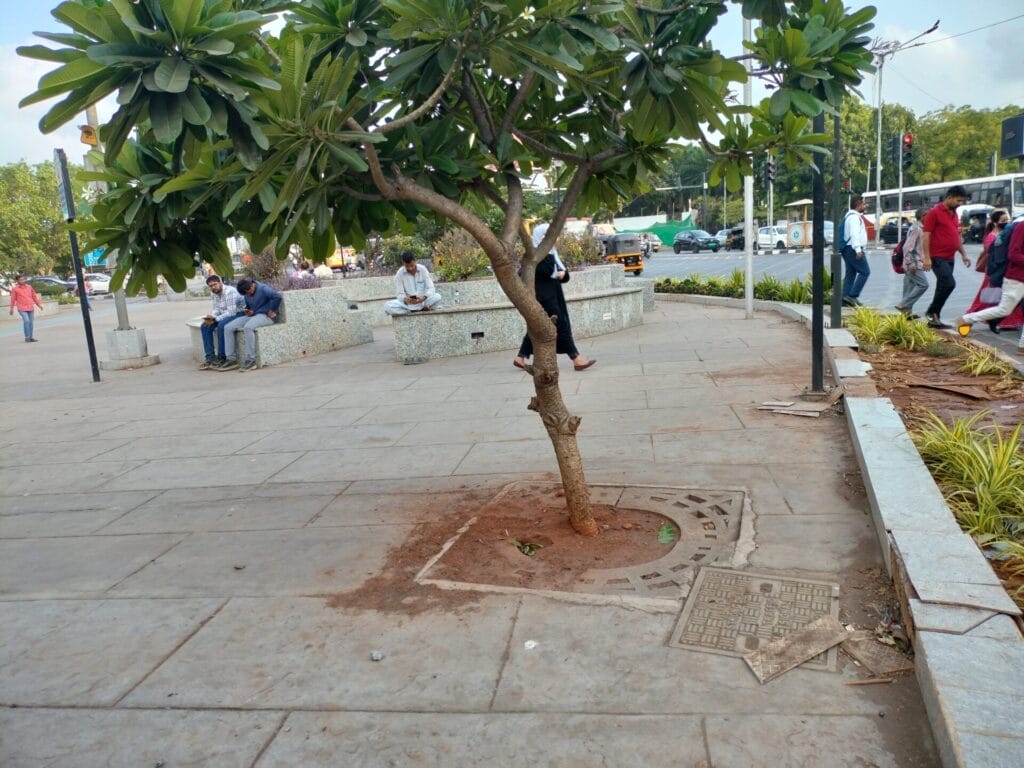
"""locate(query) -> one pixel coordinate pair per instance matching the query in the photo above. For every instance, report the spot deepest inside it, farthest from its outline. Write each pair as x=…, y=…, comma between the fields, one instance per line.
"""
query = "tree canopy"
x=363, y=116
x=33, y=235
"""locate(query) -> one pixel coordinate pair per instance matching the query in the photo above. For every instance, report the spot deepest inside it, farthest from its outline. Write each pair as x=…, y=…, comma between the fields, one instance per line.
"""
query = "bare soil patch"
x=491, y=551
x=893, y=367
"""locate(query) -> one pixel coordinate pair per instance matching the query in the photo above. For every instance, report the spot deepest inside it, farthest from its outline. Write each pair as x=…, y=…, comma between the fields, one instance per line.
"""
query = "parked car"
x=772, y=237
x=695, y=240
x=100, y=282
x=48, y=286
x=890, y=223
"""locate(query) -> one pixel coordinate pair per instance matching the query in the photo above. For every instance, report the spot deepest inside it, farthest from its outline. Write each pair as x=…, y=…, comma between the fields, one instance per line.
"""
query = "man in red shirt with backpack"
x=940, y=244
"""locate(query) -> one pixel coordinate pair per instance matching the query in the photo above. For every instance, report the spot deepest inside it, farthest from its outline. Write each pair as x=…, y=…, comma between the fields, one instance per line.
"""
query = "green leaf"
x=72, y=74
x=356, y=38
x=778, y=106
x=42, y=53
x=172, y=75
x=194, y=108
x=165, y=116
x=666, y=534
x=112, y=54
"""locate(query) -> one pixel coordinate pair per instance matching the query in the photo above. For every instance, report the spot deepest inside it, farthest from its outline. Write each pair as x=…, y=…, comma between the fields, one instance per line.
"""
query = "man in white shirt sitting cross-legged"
x=413, y=288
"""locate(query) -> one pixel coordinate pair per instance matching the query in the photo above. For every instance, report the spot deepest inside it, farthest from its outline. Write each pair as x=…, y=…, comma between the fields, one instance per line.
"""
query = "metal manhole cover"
x=709, y=526
x=735, y=612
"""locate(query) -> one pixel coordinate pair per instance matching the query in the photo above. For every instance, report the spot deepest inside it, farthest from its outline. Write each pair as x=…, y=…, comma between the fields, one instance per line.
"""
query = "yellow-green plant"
x=980, y=362
x=981, y=472
x=901, y=331
x=866, y=325
x=458, y=256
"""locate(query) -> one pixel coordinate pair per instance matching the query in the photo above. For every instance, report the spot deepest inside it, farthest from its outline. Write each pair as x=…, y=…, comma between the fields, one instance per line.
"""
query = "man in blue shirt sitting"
x=261, y=305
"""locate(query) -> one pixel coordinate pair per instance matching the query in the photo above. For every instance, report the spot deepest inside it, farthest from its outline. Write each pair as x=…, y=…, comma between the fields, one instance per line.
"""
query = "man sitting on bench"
x=261, y=305
x=414, y=289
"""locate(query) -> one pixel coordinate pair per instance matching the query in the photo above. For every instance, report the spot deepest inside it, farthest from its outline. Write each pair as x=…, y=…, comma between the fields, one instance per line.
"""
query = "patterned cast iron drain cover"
x=709, y=525
x=734, y=612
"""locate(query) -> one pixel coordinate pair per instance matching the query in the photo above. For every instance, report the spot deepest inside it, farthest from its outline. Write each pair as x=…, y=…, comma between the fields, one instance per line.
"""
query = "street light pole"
x=748, y=194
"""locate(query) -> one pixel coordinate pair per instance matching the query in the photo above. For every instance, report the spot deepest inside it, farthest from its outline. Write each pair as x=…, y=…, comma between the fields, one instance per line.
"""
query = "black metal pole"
x=836, y=263
x=67, y=203
x=818, y=267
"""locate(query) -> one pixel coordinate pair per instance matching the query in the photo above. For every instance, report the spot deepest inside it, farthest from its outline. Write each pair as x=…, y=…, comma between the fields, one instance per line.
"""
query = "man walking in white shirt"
x=853, y=240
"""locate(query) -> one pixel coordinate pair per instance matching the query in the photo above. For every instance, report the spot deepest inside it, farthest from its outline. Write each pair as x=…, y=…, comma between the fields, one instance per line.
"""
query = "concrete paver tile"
x=42, y=524
x=483, y=482
x=78, y=565
x=989, y=712
x=436, y=411
x=73, y=501
x=378, y=463
x=525, y=426
x=823, y=543
x=955, y=619
x=279, y=562
x=22, y=454
x=205, y=444
x=628, y=384
x=328, y=438
x=615, y=660
x=767, y=741
x=965, y=661
x=91, y=652
x=990, y=751
x=245, y=514
x=397, y=509
x=189, y=472
x=74, y=738
x=300, y=653
x=661, y=420
x=557, y=740
x=83, y=476
x=752, y=446
x=837, y=492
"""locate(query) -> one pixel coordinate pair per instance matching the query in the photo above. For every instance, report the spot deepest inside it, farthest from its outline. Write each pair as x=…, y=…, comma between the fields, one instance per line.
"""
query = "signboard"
x=1011, y=143
x=94, y=258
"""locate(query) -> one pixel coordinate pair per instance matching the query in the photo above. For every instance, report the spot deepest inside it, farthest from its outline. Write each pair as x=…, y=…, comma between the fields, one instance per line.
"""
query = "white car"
x=100, y=282
x=772, y=237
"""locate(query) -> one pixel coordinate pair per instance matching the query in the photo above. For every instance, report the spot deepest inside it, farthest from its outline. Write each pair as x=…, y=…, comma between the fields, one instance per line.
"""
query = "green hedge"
x=768, y=287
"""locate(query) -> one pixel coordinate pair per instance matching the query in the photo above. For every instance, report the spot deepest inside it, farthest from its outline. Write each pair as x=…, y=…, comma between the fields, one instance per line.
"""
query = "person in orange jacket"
x=25, y=298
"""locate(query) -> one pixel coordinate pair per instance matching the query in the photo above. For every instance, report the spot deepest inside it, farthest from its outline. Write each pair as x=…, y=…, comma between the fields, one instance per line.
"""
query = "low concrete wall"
x=470, y=330
x=372, y=293
x=312, y=322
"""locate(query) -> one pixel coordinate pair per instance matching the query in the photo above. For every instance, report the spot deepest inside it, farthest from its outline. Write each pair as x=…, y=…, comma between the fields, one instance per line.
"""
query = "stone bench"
x=472, y=329
x=310, y=322
x=372, y=293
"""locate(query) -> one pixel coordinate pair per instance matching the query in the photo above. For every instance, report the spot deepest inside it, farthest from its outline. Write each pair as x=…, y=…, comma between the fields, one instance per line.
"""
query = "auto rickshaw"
x=625, y=249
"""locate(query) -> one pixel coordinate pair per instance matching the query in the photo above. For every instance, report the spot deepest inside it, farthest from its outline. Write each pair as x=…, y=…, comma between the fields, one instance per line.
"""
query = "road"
x=884, y=288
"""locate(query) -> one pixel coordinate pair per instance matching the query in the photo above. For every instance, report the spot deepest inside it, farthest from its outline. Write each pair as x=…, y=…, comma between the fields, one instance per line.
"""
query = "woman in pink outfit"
x=25, y=299
x=997, y=219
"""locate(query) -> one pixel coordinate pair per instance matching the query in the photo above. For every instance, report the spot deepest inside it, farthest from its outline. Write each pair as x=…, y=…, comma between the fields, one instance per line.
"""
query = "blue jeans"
x=27, y=319
x=212, y=330
x=857, y=273
x=248, y=325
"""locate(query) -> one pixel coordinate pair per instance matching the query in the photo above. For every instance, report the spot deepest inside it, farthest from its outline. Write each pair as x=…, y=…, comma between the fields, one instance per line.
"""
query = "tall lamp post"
x=882, y=50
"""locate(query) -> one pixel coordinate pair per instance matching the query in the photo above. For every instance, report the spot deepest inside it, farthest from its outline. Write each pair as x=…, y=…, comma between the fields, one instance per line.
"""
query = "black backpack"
x=997, y=255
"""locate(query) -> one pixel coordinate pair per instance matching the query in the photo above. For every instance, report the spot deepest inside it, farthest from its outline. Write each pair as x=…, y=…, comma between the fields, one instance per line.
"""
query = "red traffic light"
x=908, y=139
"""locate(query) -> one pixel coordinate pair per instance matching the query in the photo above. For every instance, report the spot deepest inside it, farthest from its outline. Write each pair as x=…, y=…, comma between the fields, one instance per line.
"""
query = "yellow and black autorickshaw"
x=626, y=249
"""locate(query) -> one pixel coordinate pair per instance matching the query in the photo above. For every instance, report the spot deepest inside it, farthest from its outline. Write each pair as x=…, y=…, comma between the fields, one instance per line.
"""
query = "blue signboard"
x=95, y=258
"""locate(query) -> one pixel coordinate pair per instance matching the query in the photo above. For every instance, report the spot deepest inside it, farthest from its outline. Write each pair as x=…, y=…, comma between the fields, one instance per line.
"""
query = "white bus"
x=1004, y=191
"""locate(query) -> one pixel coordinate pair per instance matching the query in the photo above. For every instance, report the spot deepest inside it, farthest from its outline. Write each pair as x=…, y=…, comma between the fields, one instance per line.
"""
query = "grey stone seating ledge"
x=373, y=293
x=473, y=329
x=965, y=629
x=310, y=322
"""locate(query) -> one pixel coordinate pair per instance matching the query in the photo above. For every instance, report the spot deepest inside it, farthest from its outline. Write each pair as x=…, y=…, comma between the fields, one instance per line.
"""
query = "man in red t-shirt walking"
x=939, y=246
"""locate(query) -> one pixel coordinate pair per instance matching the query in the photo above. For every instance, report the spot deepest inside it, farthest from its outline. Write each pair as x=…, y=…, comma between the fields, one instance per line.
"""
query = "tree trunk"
x=559, y=423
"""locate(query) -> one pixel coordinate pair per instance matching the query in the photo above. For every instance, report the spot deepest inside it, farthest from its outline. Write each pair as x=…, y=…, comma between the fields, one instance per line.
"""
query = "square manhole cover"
x=713, y=526
x=735, y=612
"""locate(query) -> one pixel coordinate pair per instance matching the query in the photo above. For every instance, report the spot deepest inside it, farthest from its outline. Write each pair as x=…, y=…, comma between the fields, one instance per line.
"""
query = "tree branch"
x=355, y=193
x=544, y=149
x=525, y=86
x=481, y=116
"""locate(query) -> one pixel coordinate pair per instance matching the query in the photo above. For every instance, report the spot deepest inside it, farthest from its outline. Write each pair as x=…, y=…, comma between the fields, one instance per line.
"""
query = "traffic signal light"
x=894, y=149
x=847, y=186
x=769, y=172
x=908, y=149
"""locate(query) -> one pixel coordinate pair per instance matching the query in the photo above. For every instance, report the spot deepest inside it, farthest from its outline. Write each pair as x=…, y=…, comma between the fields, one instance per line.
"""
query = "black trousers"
x=944, y=284
x=564, y=343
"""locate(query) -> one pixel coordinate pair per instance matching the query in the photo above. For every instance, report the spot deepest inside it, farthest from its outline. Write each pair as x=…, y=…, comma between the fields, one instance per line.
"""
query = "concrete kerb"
x=944, y=593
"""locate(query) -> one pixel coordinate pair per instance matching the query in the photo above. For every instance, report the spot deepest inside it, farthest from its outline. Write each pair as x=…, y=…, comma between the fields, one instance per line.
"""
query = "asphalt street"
x=884, y=288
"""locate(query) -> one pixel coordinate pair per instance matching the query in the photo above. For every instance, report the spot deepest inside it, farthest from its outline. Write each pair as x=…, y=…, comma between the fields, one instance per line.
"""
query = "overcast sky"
x=957, y=66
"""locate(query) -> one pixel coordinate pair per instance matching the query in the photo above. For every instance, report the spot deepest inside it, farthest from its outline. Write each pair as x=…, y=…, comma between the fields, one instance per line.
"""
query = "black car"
x=694, y=240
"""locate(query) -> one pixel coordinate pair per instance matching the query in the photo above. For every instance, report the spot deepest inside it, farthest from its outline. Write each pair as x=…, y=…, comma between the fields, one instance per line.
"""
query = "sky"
x=957, y=65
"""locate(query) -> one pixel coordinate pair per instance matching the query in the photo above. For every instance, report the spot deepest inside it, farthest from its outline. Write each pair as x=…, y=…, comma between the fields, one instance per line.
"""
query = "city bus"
x=1003, y=191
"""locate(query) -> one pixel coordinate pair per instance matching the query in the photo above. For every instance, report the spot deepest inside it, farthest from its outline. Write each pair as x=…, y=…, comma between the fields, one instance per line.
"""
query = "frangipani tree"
x=365, y=115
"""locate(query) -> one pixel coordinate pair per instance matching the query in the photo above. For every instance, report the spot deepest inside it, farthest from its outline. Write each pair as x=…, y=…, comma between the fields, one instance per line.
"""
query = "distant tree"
x=33, y=235
x=958, y=143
